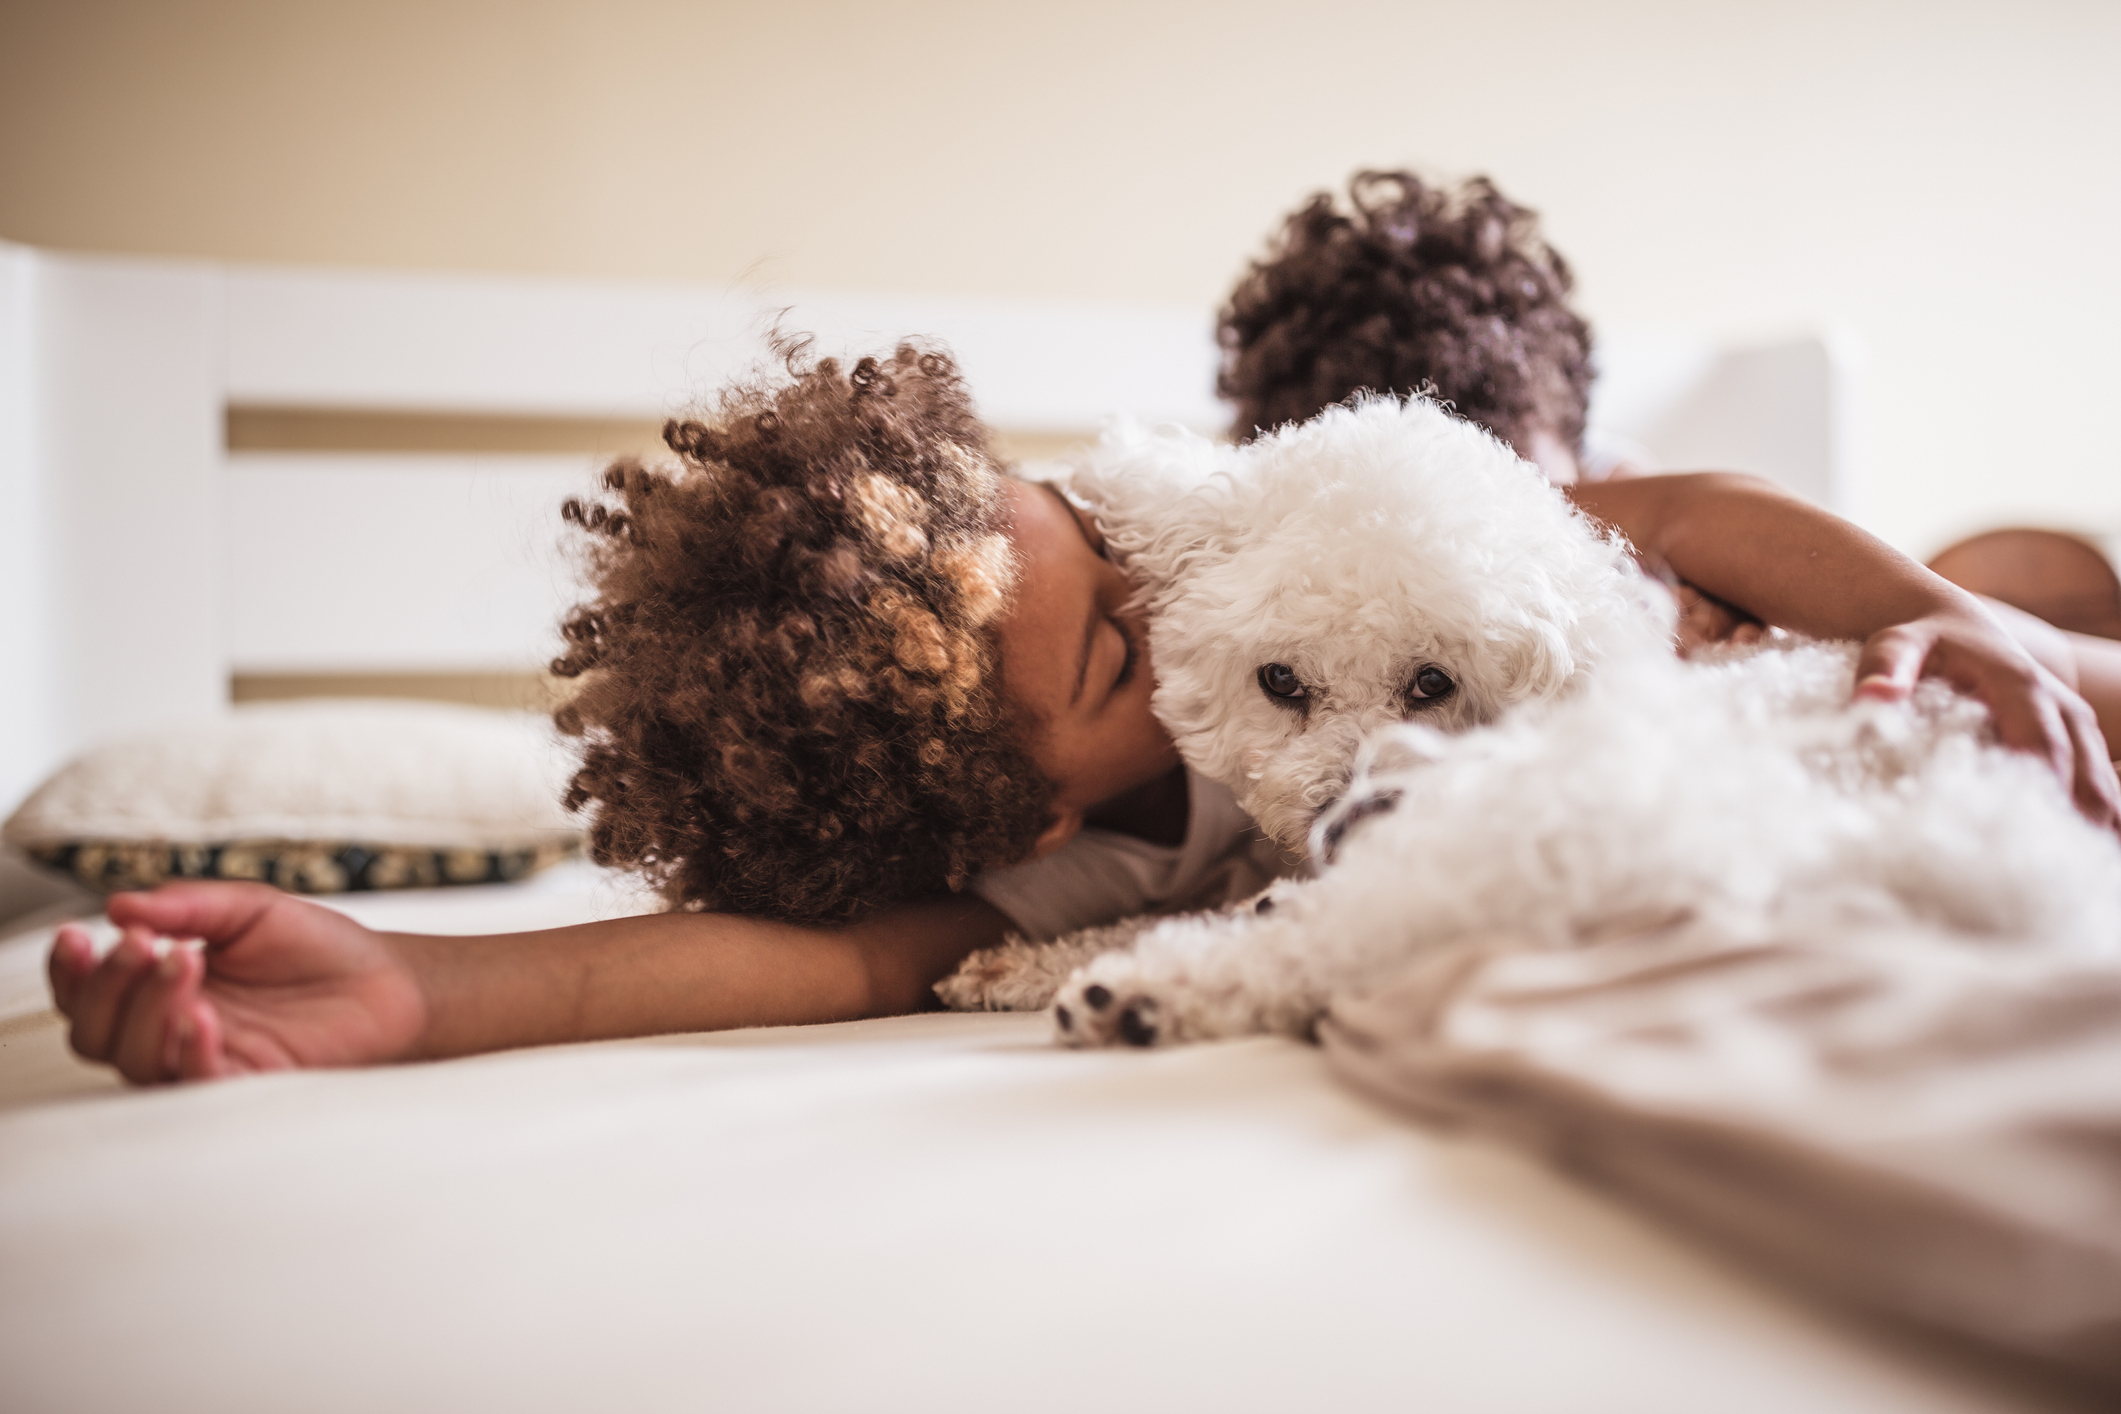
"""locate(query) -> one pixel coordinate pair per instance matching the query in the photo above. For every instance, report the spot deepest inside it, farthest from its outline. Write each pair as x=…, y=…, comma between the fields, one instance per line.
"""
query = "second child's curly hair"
x=788, y=700
x=1411, y=287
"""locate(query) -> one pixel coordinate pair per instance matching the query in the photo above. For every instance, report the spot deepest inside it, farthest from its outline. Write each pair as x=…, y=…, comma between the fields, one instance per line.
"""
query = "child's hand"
x=1707, y=622
x=2033, y=710
x=279, y=983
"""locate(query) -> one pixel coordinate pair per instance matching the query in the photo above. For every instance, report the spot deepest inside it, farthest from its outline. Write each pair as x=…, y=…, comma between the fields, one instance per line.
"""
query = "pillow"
x=320, y=796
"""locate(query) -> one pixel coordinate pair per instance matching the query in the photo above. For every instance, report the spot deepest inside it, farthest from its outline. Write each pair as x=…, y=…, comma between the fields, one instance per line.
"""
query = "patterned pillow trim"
x=299, y=866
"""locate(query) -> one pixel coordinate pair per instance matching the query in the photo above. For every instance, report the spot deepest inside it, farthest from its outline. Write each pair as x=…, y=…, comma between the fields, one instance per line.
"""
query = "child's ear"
x=1063, y=827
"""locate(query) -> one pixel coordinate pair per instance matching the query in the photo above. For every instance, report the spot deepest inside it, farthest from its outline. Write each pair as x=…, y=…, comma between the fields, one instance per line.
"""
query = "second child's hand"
x=2032, y=710
x=1789, y=563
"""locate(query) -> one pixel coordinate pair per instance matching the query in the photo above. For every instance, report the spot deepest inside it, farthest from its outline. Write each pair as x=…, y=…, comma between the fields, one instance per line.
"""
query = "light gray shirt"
x=1102, y=876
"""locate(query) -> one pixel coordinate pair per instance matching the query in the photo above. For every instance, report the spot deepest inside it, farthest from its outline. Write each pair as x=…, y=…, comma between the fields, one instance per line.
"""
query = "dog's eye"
x=1279, y=681
x=1430, y=686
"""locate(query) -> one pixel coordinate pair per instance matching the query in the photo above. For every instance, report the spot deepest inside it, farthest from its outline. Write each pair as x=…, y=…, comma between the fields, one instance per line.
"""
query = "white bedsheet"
x=939, y=1212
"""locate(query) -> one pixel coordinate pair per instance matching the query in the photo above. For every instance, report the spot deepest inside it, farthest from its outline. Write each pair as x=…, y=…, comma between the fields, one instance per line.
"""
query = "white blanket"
x=1926, y=1127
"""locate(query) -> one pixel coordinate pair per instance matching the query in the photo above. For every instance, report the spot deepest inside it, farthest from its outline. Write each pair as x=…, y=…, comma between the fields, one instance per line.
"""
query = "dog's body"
x=1398, y=645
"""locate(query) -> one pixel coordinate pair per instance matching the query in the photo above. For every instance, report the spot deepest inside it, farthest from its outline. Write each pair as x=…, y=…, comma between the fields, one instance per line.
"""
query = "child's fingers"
x=1889, y=665
x=100, y=998
x=2098, y=790
x=215, y=912
x=183, y=996
x=2032, y=723
x=72, y=959
x=2042, y=718
x=200, y=1055
x=144, y=1042
x=2028, y=711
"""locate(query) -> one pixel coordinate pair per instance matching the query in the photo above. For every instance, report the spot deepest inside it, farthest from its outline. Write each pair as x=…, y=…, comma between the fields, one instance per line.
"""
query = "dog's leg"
x=1256, y=969
x=1024, y=976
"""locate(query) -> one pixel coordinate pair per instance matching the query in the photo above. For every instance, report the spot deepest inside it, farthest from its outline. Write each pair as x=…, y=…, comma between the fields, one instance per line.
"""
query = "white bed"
x=941, y=1212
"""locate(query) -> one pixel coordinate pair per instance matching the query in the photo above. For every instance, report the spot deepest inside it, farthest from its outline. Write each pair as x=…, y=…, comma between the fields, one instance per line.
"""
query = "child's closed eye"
x=1130, y=660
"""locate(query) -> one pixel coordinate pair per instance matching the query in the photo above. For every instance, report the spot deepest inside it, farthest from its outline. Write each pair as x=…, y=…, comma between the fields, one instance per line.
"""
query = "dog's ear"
x=1585, y=608
x=1153, y=494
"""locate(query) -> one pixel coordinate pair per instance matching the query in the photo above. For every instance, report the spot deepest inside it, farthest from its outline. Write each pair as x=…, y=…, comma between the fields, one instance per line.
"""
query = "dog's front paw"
x=1024, y=976
x=987, y=980
x=1093, y=1014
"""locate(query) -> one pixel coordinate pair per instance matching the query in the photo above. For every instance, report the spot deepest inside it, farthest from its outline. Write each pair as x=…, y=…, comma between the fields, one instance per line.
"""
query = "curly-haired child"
x=860, y=702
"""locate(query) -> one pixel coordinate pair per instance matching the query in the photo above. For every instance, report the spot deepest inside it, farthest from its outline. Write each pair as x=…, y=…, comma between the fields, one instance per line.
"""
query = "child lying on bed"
x=859, y=702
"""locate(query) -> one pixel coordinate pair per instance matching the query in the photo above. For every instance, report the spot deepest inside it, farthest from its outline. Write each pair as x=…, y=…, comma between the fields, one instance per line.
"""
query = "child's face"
x=1079, y=661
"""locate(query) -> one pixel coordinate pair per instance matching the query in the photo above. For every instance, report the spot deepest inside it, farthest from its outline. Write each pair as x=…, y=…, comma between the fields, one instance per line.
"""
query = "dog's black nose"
x=1384, y=802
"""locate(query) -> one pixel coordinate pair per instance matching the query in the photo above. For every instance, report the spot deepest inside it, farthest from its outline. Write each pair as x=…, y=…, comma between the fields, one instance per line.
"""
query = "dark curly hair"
x=1413, y=287
x=788, y=669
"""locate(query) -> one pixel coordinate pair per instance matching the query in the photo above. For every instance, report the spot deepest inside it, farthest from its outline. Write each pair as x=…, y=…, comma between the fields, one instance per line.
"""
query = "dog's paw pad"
x=1137, y=1023
x=1095, y=1015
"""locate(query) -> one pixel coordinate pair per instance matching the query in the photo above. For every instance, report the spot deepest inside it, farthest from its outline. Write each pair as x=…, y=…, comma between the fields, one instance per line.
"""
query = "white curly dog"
x=1404, y=651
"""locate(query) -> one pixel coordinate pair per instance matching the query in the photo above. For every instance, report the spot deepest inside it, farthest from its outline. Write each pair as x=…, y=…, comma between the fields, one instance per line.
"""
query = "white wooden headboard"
x=148, y=557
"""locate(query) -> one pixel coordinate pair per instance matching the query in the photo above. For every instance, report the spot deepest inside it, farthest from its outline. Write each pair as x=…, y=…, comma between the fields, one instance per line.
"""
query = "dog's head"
x=1379, y=563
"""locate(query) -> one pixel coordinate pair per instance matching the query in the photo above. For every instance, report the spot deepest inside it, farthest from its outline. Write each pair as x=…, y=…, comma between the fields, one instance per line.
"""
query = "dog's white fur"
x=1577, y=782
x=1355, y=549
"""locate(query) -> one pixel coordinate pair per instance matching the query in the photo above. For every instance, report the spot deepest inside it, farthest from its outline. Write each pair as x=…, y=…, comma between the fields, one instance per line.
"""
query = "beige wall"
x=1941, y=179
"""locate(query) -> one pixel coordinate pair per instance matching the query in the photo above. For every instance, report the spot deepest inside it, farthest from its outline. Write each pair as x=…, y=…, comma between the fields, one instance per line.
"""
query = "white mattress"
x=939, y=1212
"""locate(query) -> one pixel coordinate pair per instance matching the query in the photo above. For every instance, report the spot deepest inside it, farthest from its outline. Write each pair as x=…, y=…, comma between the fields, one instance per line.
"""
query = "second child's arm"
x=280, y=982
x=1789, y=563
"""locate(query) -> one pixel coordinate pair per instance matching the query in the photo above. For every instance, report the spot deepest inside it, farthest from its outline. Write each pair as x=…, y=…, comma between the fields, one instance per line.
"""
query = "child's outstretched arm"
x=282, y=983
x=1791, y=564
